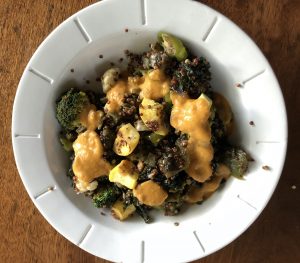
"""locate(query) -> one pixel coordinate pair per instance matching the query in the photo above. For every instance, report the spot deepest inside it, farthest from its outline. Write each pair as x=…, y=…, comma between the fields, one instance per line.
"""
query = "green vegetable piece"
x=172, y=46
x=106, y=196
x=69, y=108
x=167, y=99
x=237, y=161
x=192, y=77
x=142, y=211
x=155, y=138
x=67, y=145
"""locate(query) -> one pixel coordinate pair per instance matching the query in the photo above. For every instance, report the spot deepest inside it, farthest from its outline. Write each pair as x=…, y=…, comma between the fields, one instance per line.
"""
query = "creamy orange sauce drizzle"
x=88, y=163
x=90, y=118
x=196, y=194
x=150, y=193
x=154, y=85
x=115, y=96
x=191, y=116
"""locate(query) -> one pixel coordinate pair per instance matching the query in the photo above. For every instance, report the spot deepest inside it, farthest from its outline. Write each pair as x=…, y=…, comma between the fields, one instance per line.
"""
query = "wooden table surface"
x=25, y=234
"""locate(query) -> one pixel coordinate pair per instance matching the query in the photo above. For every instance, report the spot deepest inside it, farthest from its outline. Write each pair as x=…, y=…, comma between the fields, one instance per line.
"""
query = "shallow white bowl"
x=100, y=29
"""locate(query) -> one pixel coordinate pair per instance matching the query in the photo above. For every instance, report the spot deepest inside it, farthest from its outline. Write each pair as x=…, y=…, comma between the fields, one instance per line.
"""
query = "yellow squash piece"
x=152, y=114
x=126, y=141
x=119, y=212
x=124, y=173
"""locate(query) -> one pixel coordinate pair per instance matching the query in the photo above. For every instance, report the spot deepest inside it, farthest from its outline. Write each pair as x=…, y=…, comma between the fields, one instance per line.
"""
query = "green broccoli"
x=106, y=196
x=69, y=107
x=237, y=161
x=192, y=77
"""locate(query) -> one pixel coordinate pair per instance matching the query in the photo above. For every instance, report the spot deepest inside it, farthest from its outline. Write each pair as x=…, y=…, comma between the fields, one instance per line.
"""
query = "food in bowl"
x=155, y=136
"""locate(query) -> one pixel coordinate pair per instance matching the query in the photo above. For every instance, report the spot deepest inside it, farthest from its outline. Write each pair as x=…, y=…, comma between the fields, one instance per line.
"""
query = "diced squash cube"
x=126, y=141
x=124, y=173
x=152, y=114
x=119, y=212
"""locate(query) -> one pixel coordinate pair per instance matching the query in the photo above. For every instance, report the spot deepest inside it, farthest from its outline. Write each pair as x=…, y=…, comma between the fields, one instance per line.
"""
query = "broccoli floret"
x=69, y=107
x=192, y=77
x=106, y=195
x=237, y=161
x=173, y=161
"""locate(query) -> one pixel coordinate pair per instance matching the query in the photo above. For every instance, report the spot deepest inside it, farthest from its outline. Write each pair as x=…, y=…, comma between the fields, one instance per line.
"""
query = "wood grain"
x=25, y=234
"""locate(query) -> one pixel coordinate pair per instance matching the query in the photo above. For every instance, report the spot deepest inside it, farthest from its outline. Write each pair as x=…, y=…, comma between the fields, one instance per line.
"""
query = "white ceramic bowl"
x=100, y=29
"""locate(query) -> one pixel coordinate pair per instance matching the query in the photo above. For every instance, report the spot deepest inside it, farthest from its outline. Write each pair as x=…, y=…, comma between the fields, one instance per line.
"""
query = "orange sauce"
x=196, y=194
x=191, y=116
x=88, y=163
x=90, y=118
x=154, y=85
x=115, y=96
x=150, y=193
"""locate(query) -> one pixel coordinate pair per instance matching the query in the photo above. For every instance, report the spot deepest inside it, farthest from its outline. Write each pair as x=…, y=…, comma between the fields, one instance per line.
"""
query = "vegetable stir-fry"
x=153, y=137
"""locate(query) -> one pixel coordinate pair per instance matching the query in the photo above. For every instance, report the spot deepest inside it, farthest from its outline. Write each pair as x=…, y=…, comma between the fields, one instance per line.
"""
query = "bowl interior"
x=87, y=68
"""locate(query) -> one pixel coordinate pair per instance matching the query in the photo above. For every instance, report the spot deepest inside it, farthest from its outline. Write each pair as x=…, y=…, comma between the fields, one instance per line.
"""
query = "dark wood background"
x=27, y=237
